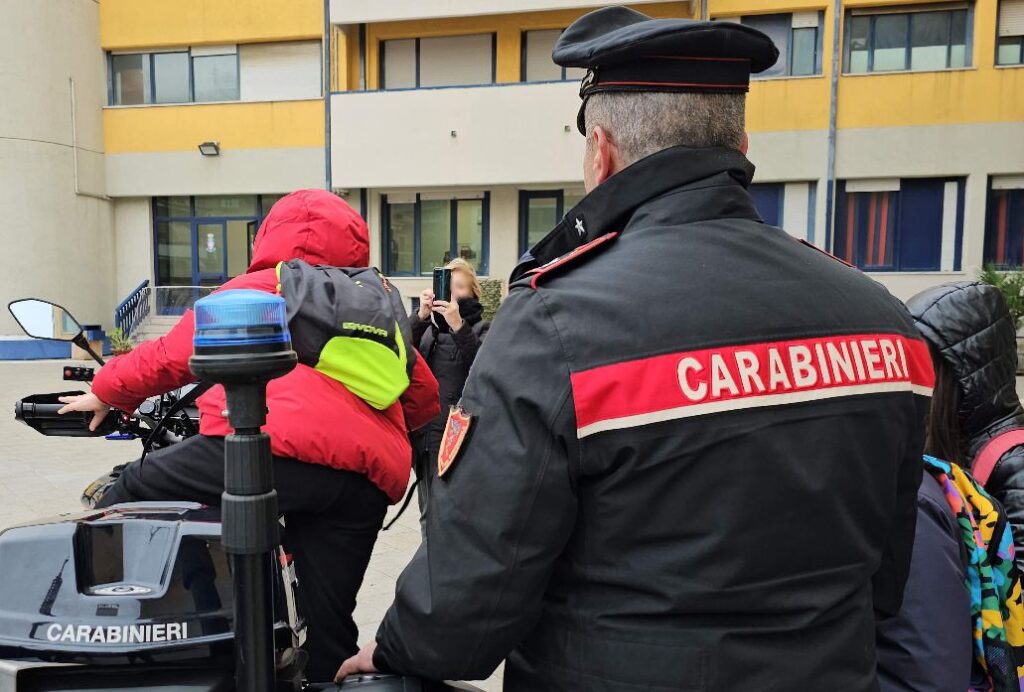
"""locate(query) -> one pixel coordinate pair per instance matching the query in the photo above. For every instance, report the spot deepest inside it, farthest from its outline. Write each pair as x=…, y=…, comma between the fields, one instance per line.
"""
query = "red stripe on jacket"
x=691, y=383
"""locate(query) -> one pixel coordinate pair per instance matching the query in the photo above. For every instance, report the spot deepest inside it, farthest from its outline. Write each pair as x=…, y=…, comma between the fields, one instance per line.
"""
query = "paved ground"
x=43, y=476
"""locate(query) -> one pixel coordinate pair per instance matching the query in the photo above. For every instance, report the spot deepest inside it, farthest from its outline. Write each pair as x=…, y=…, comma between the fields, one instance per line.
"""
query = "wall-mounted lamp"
x=210, y=148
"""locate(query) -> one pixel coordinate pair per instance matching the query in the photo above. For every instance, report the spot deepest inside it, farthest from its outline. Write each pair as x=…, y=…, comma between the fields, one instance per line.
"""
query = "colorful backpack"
x=349, y=324
x=994, y=584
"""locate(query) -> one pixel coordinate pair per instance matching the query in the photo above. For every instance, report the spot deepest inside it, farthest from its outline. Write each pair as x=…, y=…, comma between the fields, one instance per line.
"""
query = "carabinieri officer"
x=688, y=454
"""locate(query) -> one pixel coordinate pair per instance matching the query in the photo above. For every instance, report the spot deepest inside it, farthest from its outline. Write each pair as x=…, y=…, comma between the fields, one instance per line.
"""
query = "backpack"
x=993, y=582
x=349, y=324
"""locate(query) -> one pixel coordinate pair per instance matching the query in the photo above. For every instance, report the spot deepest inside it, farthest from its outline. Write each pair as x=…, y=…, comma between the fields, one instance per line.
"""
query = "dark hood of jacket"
x=969, y=325
x=315, y=226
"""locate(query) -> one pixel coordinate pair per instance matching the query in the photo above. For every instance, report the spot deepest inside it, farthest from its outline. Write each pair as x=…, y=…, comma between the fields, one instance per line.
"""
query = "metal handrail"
x=147, y=302
x=132, y=309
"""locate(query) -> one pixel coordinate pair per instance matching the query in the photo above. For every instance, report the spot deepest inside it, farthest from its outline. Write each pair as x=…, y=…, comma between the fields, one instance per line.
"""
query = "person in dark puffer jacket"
x=448, y=336
x=928, y=647
x=969, y=326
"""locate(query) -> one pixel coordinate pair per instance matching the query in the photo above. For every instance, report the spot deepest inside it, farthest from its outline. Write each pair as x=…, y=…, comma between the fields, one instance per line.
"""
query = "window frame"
x=524, y=212
x=872, y=15
x=382, y=62
x=192, y=219
x=991, y=210
x=1020, y=53
x=897, y=231
x=150, y=66
x=192, y=78
x=152, y=77
x=453, y=231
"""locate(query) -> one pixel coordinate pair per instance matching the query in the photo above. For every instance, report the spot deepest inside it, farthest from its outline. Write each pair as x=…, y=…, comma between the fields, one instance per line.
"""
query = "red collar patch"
x=455, y=432
x=570, y=256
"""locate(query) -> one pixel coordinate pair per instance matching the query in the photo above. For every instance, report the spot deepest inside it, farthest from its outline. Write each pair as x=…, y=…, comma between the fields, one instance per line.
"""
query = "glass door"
x=211, y=253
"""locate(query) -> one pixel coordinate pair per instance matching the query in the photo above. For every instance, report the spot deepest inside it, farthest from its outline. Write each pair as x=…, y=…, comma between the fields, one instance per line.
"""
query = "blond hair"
x=460, y=265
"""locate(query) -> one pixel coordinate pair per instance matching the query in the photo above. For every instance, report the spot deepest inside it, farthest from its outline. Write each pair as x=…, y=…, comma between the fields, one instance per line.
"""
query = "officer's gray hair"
x=641, y=124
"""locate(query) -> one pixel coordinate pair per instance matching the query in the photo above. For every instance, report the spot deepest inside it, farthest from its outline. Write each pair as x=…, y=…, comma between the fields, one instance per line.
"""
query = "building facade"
x=890, y=133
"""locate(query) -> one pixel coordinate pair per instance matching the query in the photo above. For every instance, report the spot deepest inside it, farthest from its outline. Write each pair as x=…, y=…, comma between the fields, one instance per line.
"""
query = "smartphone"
x=442, y=284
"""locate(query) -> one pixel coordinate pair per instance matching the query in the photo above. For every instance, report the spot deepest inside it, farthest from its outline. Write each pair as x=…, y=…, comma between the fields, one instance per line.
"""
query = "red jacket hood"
x=315, y=226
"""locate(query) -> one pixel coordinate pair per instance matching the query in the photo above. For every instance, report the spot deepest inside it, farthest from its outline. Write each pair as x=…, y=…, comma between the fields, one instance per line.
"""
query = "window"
x=183, y=76
x=130, y=83
x=798, y=39
x=900, y=225
x=1010, y=42
x=422, y=232
x=537, y=65
x=1004, y=230
x=170, y=77
x=907, y=39
x=540, y=211
x=440, y=61
x=215, y=74
x=205, y=240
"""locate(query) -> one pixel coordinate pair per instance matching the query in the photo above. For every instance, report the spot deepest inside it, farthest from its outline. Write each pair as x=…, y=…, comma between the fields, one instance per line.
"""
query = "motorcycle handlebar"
x=26, y=411
x=40, y=412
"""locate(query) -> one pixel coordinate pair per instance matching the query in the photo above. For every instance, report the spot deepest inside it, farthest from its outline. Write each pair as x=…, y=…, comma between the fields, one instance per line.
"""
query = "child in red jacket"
x=338, y=461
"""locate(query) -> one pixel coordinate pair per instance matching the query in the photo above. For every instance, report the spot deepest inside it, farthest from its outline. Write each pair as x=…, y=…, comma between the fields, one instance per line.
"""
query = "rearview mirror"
x=42, y=319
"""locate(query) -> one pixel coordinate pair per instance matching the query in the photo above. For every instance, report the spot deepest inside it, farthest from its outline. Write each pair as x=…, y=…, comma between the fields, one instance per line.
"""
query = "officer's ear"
x=601, y=159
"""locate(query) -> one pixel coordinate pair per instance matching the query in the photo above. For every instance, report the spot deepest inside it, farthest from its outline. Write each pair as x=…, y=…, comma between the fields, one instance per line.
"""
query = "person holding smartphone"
x=447, y=329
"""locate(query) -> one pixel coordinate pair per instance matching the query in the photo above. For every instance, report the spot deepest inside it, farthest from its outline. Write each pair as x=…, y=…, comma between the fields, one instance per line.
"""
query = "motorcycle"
x=137, y=596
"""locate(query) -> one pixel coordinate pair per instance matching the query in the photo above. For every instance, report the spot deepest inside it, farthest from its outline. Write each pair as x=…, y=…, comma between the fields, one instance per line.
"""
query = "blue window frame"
x=196, y=248
x=897, y=230
x=540, y=211
x=421, y=234
x=1004, y=228
x=170, y=77
x=914, y=38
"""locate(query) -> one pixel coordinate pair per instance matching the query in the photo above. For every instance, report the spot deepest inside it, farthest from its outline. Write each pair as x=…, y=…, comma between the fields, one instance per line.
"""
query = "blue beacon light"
x=241, y=318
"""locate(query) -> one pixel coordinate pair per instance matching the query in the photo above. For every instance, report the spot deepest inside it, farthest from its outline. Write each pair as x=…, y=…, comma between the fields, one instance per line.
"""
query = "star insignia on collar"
x=579, y=227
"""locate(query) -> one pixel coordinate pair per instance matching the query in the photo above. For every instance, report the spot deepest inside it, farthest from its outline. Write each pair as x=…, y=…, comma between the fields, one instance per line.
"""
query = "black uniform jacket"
x=693, y=462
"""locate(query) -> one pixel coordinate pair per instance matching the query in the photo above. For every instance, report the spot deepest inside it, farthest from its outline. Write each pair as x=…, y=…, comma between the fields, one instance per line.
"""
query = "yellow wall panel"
x=129, y=24
x=277, y=124
x=788, y=104
x=931, y=98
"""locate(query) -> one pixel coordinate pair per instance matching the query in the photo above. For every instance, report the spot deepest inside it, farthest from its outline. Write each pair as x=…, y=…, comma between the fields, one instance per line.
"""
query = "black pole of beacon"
x=238, y=357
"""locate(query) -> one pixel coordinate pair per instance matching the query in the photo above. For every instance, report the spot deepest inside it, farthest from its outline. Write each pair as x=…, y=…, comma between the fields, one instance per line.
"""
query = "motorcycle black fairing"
x=137, y=581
